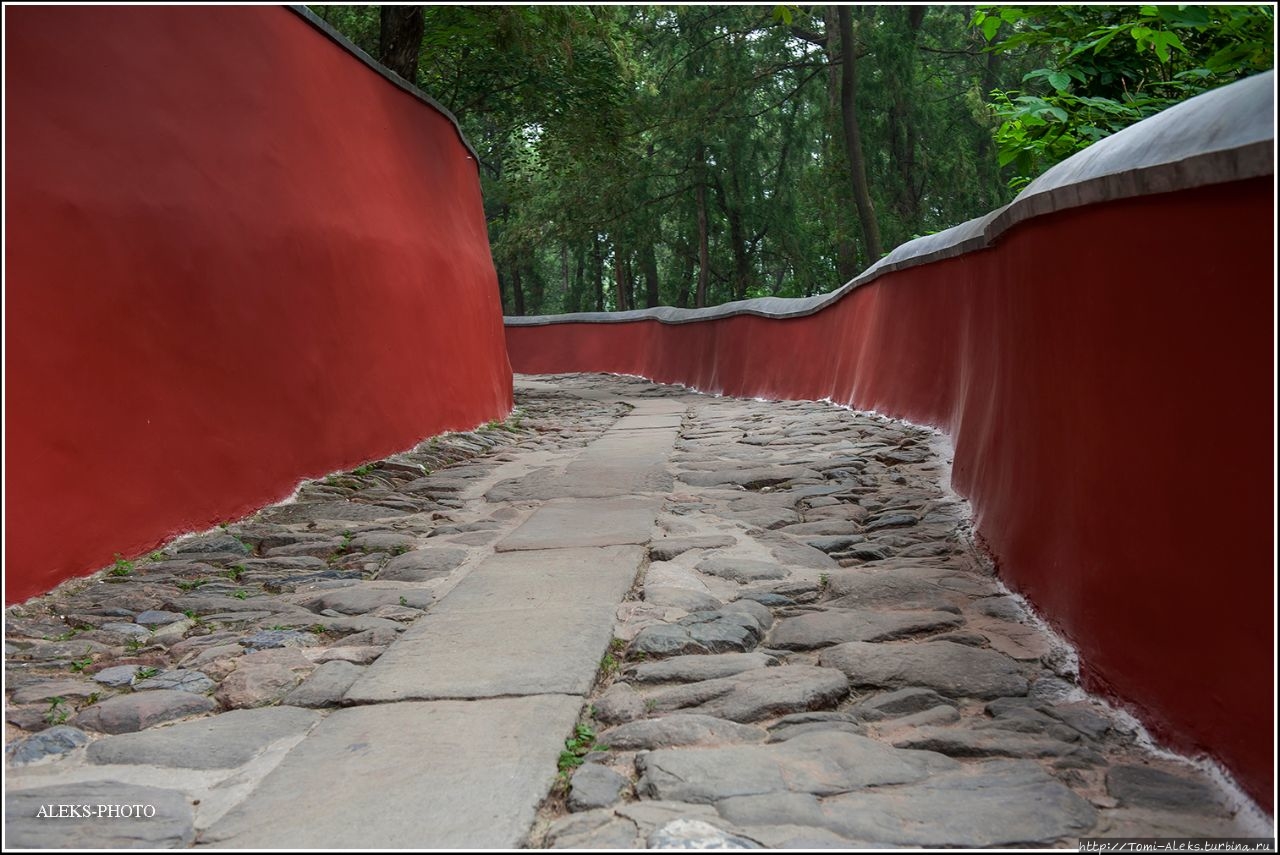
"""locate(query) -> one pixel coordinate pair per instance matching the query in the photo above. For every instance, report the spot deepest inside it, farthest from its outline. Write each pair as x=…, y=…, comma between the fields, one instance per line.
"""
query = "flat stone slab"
x=566, y=523
x=753, y=478
x=818, y=763
x=478, y=773
x=172, y=825
x=676, y=730
x=999, y=803
x=419, y=565
x=963, y=742
x=951, y=669
x=129, y=713
x=669, y=547
x=218, y=742
x=518, y=624
x=756, y=695
x=689, y=669
x=1145, y=787
x=45, y=745
x=922, y=586
x=700, y=633
x=742, y=570
x=822, y=629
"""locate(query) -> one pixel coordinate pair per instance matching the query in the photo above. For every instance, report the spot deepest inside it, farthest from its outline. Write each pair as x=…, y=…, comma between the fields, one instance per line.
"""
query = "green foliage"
x=121, y=567
x=78, y=665
x=145, y=673
x=576, y=749
x=57, y=713
x=1100, y=69
x=363, y=470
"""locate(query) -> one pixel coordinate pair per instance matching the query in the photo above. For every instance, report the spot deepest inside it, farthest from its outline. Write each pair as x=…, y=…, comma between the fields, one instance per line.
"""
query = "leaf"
x=990, y=27
x=1059, y=80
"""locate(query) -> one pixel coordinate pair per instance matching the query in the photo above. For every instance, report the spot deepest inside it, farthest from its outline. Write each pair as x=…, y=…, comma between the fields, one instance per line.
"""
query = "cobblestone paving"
x=812, y=653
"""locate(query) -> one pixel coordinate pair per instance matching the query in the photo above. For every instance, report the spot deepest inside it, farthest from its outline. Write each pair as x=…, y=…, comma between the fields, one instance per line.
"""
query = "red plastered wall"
x=237, y=257
x=1106, y=377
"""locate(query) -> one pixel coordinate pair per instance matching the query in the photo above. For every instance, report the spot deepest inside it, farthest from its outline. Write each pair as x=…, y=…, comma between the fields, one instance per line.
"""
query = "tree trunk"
x=704, y=248
x=619, y=280
x=517, y=290
x=846, y=250
x=649, y=262
x=597, y=267
x=853, y=136
x=400, y=40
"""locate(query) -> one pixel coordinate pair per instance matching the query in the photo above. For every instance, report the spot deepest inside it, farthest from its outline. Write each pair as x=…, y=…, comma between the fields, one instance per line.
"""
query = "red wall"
x=236, y=257
x=1106, y=376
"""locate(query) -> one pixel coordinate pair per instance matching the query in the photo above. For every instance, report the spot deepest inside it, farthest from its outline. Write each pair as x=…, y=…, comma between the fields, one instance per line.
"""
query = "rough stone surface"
x=690, y=669
x=680, y=598
x=951, y=669
x=172, y=826
x=817, y=763
x=668, y=548
x=180, y=679
x=595, y=785
x=1146, y=787
x=619, y=703
x=45, y=745
x=757, y=695
x=1000, y=803
x=742, y=570
x=252, y=686
x=700, y=632
x=679, y=730
x=129, y=713
x=326, y=685
x=696, y=834
x=420, y=565
x=898, y=703
x=822, y=629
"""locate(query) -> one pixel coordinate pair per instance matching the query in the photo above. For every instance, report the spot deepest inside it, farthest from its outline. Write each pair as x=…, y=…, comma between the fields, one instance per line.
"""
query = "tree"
x=1100, y=69
x=400, y=40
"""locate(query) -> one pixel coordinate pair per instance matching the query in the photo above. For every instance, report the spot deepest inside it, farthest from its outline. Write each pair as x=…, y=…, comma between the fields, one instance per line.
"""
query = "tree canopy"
x=636, y=156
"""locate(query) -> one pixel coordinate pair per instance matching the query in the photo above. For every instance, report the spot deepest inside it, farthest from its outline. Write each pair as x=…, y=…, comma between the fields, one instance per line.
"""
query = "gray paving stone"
x=180, y=679
x=128, y=713
x=361, y=599
x=117, y=675
x=171, y=826
x=669, y=547
x=757, y=695
x=218, y=742
x=420, y=565
x=680, y=598
x=964, y=742
x=699, y=633
x=950, y=669
x=690, y=669
x=998, y=803
x=44, y=690
x=817, y=763
x=617, y=704
x=568, y=523
x=696, y=834
x=45, y=745
x=797, y=724
x=742, y=570
x=326, y=685
x=752, y=479
x=822, y=629
x=1146, y=787
x=491, y=764
x=251, y=686
x=554, y=608
x=154, y=618
x=679, y=729
x=595, y=785
x=912, y=699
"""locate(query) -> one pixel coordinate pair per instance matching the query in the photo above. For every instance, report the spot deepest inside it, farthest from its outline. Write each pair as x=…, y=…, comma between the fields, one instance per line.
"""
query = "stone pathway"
x=629, y=616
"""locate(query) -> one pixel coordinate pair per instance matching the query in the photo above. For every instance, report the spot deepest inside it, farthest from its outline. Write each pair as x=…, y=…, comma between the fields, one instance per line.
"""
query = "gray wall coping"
x=378, y=68
x=1227, y=134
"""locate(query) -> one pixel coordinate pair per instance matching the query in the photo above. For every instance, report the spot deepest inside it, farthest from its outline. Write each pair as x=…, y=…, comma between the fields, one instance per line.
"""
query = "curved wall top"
x=1224, y=135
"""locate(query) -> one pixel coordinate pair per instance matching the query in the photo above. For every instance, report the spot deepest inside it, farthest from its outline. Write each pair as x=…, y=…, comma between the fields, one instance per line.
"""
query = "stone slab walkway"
x=629, y=616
